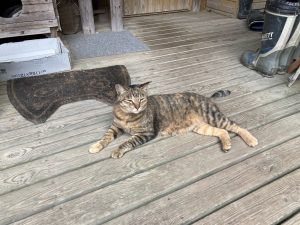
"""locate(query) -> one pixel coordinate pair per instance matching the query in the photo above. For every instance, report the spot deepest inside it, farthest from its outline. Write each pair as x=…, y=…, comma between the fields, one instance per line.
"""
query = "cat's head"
x=132, y=99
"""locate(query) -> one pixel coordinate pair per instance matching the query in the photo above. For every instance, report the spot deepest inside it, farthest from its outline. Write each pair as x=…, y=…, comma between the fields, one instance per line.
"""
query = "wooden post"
x=53, y=32
x=203, y=5
x=116, y=14
x=87, y=16
x=196, y=6
x=56, y=14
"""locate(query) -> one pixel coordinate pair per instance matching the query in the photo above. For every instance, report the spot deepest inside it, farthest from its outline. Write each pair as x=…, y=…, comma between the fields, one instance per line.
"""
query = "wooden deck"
x=48, y=177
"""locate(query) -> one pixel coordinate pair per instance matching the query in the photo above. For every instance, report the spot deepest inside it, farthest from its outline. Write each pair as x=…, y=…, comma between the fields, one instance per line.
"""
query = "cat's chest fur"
x=131, y=123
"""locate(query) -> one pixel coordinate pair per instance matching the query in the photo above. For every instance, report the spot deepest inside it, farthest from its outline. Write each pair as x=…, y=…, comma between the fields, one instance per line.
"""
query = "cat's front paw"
x=116, y=154
x=97, y=147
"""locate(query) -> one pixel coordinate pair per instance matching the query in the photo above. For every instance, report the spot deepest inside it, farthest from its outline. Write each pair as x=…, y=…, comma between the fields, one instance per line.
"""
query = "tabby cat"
x=144, y=117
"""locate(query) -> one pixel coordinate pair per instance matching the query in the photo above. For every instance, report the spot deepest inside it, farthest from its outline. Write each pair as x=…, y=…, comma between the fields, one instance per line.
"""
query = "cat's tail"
x=221, y=93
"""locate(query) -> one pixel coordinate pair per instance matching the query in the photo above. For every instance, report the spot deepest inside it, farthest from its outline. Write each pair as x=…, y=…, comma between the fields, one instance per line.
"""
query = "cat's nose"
x=136, y=105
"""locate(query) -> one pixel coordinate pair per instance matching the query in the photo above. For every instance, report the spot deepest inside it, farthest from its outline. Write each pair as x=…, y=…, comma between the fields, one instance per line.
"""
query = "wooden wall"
x=225, y=7
x=135, y=7
x=231, y=7
x=37, y=17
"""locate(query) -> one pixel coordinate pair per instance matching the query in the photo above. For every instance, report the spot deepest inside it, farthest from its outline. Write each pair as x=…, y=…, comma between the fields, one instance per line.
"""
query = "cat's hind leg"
x=221, y=121
x=243, y=133
x=206, y=129
x=107, y=138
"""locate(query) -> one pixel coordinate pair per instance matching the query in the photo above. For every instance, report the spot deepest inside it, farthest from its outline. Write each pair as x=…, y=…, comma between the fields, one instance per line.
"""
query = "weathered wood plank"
x=295, y=220
x=25, y=31
x=163, y=20
x=162, y=55
x=26, y=25
x=253, y=102
x=164, y=17
x=172, y=29
x=55, y=131
x=163, y=34
x=182, y=22
x=109, y=202
x=31, y=8
x=202, y=37
x=66, y=114
x=10, y=119
x=20, y=25
x=203, y=60
x=201, y=63
x=153, y=75
x=143, y=22
x=257, y=208
x=34, y=16
x=152, y=39
x=261, y=207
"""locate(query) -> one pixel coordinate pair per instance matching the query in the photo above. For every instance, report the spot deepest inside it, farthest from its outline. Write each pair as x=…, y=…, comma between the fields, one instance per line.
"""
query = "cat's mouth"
x=136, y=111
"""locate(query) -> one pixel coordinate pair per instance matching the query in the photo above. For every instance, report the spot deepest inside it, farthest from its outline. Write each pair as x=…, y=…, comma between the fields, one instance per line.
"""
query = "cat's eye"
x=142, y=99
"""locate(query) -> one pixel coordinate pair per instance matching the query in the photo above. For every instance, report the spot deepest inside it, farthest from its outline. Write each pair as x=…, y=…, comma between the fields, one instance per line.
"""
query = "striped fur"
x=221, y=93
x=144, y=117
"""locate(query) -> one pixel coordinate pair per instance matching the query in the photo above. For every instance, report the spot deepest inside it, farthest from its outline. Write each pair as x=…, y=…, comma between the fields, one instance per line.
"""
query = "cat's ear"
x=144, y=86
x=120, y=89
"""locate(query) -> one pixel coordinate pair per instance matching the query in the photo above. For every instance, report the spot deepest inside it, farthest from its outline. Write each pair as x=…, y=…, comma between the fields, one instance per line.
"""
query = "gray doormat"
x=103, y=44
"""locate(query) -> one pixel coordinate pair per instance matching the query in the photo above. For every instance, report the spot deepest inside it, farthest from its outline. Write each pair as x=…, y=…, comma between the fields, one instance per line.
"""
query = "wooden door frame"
x=203, y=4
x=116, y=13
x=87, y=15
x=198, y=5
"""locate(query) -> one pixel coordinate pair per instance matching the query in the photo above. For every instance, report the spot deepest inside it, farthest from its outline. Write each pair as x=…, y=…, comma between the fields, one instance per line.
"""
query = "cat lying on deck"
x=145, y=117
